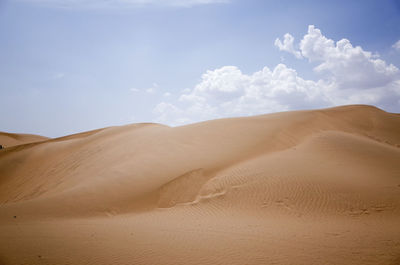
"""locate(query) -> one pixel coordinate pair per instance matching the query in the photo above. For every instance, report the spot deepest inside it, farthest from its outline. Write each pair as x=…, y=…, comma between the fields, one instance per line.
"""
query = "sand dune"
x=13, y=139
x=302, y=187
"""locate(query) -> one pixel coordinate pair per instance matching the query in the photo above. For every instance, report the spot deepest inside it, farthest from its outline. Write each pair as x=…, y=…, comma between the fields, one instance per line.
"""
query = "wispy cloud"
x=98, y=4
x=150, y=90
x=396, y=46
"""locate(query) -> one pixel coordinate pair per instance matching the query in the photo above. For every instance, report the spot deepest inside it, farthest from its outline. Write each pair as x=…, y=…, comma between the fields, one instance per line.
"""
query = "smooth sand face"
x=13, y=139
x=305, y=187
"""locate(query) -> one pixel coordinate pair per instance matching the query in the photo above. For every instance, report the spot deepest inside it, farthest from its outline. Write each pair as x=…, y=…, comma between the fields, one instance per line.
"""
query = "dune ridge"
x=300, y=187
x=14, y=139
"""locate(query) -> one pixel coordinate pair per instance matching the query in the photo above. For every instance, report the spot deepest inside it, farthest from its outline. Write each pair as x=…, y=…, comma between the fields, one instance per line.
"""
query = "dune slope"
x=13, y=139
x=303, y=187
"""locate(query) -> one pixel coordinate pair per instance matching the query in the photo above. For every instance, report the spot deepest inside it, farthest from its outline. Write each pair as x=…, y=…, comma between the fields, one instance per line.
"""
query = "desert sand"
x=13, y=139
x=300, y=187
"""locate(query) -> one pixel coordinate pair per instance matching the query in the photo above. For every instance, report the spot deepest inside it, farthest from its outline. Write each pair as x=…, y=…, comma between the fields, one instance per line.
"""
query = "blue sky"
x=69, y=66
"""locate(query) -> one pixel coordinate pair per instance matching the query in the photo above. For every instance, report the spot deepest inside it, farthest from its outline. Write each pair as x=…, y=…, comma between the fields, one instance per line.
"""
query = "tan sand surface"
x=301, y=187
x=13, y=139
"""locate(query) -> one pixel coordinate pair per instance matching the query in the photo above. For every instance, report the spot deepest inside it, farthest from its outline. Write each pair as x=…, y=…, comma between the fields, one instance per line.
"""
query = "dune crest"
x=301, y=187
x=13, y=139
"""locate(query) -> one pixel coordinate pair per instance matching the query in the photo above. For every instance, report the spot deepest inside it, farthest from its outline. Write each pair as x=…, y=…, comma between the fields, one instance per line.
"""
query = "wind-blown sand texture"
x=302, y=187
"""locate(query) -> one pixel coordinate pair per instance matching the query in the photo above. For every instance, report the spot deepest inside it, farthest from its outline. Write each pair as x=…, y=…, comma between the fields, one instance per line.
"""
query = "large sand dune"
x=304, y=187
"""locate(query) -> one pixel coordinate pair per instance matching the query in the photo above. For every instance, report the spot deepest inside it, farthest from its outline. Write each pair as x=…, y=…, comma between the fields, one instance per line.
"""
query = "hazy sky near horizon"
x=69, y=66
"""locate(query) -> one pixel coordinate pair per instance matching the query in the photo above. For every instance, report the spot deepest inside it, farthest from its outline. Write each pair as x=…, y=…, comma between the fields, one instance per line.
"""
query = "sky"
x=68, y=66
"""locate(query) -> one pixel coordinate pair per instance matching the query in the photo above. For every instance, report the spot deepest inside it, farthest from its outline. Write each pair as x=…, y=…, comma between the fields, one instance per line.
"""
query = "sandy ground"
x=13, y=139
x=303, y=187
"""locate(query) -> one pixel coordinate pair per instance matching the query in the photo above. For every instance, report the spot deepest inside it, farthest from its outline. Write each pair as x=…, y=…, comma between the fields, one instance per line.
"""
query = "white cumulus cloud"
x=228, y=92
x=344, y=64
x=346, y=74
x=287, y=45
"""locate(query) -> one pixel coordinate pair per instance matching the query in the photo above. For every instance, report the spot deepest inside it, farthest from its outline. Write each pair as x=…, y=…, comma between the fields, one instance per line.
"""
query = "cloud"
x=152, y=90
x=344, y=64
x=228, y=92
x=347, y=75
x=96, y=4
x=287, y=45
x=396, y=46
x=348, y=66
x=170, y=114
